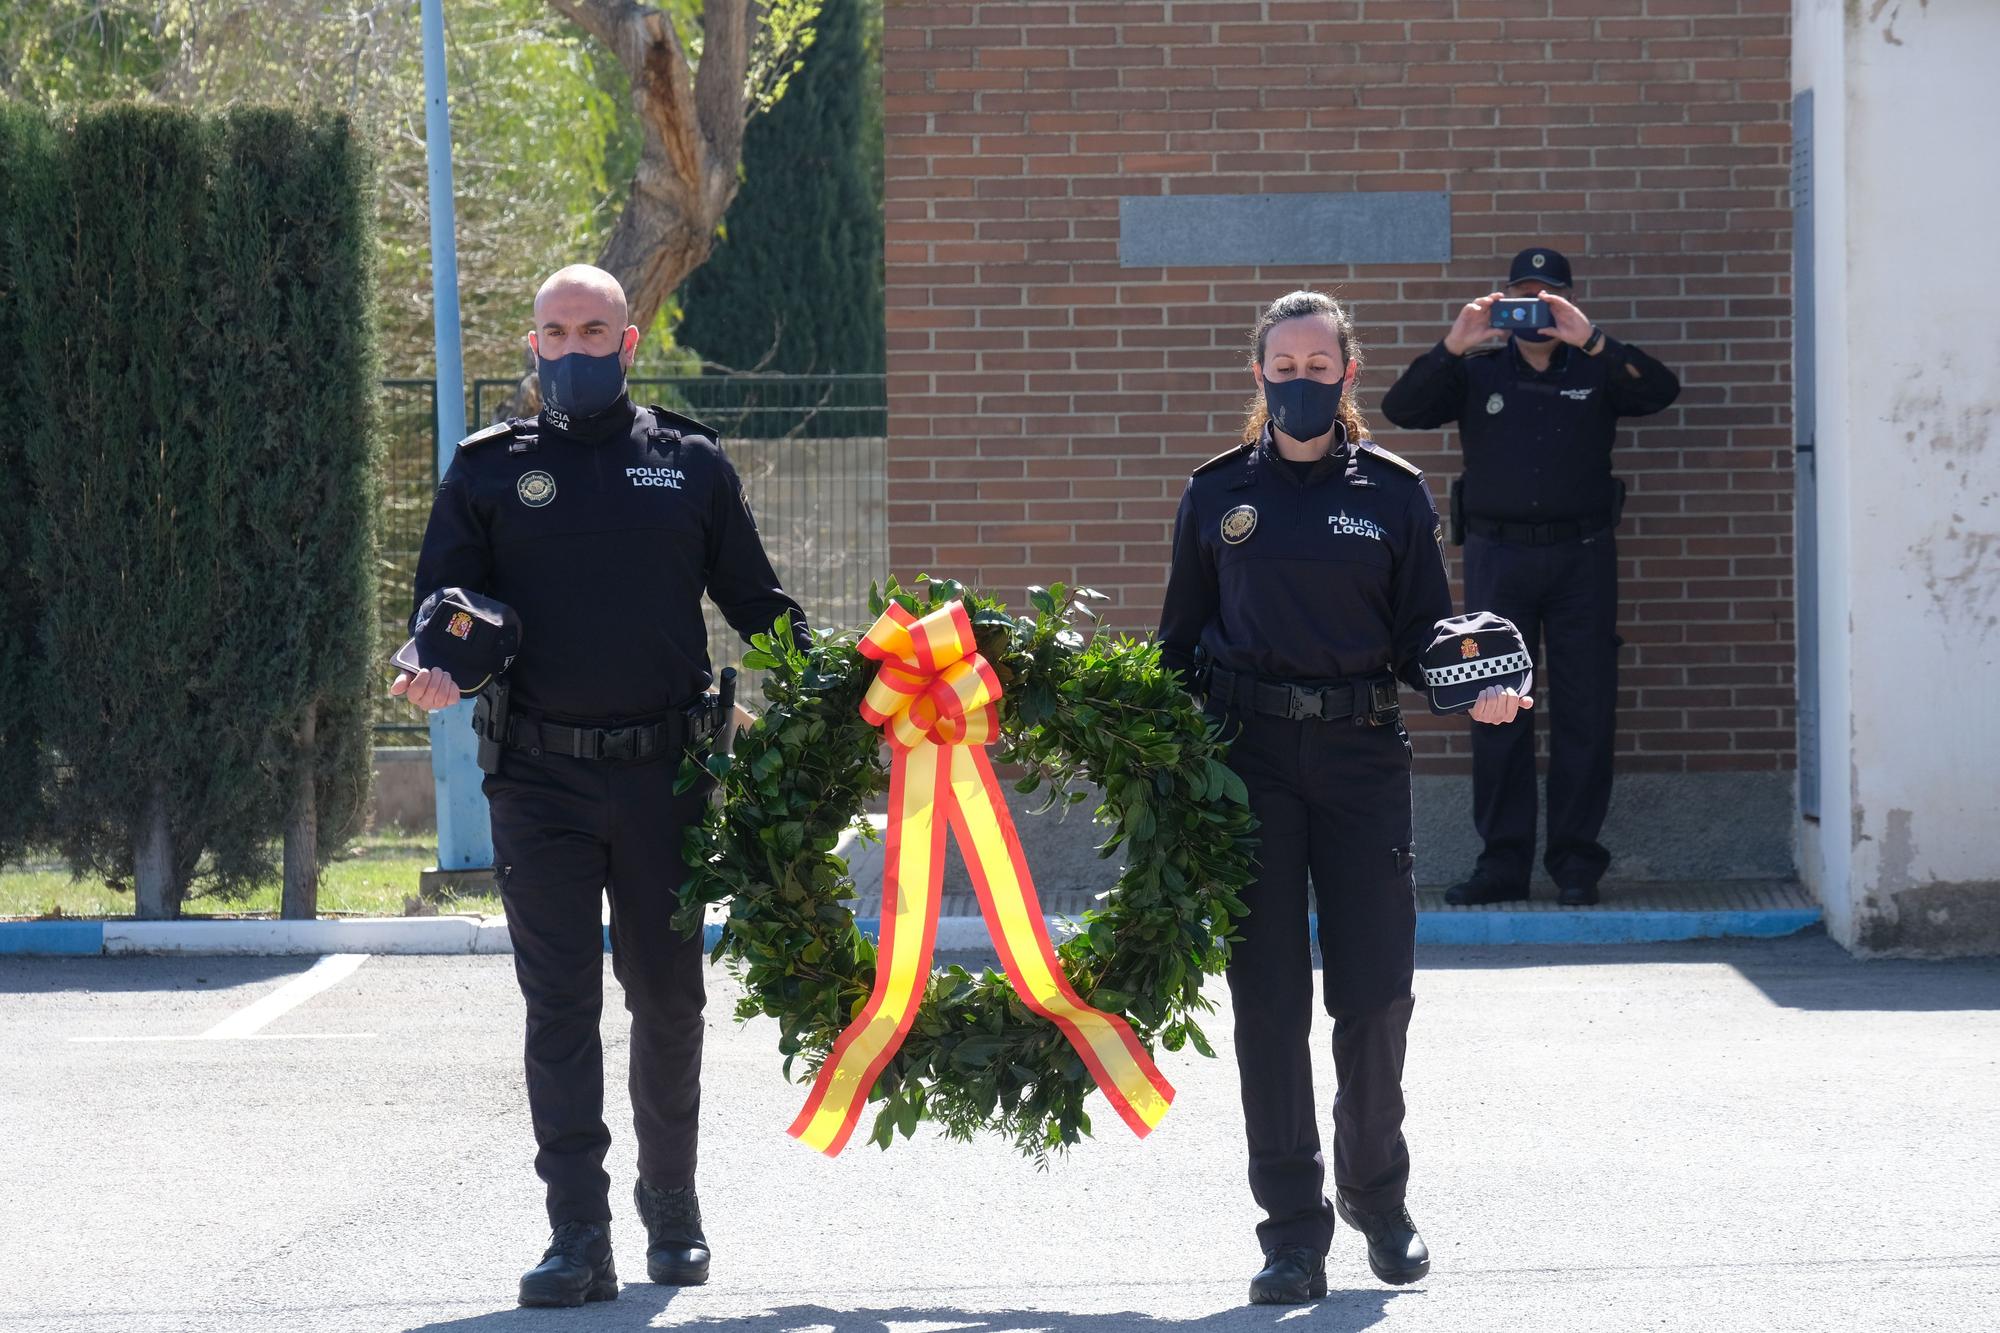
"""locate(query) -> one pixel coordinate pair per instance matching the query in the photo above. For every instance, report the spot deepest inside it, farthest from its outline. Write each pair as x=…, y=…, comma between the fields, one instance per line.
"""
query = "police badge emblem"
x=460, y=626
x=1468, y=647
x=1539, y=260
x=1238, y=524
x=535, y=489
x=1494, y=404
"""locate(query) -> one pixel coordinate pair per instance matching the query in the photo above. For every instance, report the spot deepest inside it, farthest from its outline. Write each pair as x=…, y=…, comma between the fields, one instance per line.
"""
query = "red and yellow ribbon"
x=935, y=697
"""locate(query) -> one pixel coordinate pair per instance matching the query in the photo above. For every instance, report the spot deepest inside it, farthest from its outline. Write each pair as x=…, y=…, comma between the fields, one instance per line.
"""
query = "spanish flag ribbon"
x=935, y=697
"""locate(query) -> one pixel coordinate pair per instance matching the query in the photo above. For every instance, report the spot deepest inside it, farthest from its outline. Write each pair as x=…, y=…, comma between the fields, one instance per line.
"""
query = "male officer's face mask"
x=577, y=385
x=1304, y=409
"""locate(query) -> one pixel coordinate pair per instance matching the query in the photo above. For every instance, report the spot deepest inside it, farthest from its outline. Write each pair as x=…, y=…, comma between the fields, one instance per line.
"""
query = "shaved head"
x=582, y=309
x=583, y=283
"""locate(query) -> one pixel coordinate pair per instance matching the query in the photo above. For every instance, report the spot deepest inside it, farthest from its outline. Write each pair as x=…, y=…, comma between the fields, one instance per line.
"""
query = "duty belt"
x=1539, y=534
x=634, y=743
x=1369, y=700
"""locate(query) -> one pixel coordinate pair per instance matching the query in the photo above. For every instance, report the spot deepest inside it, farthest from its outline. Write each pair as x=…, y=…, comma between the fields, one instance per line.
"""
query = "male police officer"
x=601, y=524
x=1535, y=510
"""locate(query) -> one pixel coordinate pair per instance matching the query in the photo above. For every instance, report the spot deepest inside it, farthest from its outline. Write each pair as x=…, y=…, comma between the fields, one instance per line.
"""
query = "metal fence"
x=810, y=450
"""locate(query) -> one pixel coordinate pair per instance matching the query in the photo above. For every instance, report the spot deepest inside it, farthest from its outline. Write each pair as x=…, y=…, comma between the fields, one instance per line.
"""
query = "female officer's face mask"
x=578, y=385
x=1304, y=409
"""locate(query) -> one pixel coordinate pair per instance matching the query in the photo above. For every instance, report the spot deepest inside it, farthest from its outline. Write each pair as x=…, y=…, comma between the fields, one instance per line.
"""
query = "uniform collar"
x=614, y=422
x=1339, y=454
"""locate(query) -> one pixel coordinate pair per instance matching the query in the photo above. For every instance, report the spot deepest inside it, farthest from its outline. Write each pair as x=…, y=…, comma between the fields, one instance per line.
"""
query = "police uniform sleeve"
x=1637, y=385
x=1423, y=591
x=455, y=552
x=1191, y=600
x=739, y=574
x=1429, y=394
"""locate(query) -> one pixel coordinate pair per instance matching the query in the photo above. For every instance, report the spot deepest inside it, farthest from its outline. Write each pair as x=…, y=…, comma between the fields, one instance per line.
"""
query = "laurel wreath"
x=1078, y=709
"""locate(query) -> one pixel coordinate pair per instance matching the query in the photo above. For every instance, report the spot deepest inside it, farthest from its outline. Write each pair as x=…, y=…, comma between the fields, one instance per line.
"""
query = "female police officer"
x=1307, y=577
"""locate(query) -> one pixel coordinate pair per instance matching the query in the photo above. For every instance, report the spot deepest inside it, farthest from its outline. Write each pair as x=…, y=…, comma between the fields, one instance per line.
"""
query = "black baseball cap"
x=1470, y=652
x=1539, y=264
x=472, y=638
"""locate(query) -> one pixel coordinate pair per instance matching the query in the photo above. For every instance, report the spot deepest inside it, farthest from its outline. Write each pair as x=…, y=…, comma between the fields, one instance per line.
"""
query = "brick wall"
x=1046, y=404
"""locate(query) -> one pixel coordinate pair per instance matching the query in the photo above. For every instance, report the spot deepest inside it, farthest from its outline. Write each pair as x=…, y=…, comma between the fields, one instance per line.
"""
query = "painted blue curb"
x=51, y=937
x=1585, y=926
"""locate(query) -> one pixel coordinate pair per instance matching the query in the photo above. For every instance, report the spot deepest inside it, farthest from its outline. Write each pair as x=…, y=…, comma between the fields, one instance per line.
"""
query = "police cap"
x=1539, y=264
x=470, y=637
x=1469, y=653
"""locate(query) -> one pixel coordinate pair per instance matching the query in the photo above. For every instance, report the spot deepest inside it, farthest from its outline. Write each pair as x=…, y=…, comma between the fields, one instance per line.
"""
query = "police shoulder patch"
x=1225, y=456
x=495, y=431
x=1369, y=446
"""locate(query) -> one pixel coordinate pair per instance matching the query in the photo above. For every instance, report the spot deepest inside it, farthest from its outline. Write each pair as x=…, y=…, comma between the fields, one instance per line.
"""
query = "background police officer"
x=1538, y=504
x=1308, y=577
x=601, y=524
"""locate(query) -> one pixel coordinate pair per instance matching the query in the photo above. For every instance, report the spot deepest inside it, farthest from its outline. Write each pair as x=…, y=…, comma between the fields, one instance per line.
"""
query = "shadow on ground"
x=643, y=1307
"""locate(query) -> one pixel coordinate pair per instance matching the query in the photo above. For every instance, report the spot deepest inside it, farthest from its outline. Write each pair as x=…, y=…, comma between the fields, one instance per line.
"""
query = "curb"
x=448, y=935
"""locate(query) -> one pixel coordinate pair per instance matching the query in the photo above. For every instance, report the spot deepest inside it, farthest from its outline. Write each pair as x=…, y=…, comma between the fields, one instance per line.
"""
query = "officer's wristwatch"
x=1594, y=341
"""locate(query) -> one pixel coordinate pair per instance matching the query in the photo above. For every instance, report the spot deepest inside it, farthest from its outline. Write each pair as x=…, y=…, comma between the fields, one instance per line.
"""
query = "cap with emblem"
x=473, y=638
x=1539, y=264
x=1469, y=653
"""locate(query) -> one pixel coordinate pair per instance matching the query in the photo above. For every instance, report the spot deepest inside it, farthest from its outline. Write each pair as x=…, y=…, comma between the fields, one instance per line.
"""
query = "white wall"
x=1906, y=855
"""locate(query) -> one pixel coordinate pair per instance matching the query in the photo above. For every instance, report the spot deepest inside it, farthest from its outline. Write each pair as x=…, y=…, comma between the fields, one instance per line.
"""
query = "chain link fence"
x=811, y=450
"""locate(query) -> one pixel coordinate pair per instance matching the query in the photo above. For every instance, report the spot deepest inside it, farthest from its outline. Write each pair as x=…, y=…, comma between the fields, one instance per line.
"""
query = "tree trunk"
x=301, y=896
x=155, y=890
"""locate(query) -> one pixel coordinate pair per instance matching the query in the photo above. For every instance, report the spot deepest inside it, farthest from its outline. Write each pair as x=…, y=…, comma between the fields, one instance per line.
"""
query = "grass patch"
x=376, y=877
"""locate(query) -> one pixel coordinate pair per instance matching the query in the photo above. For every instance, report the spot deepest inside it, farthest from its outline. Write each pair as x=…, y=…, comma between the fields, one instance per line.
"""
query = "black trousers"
x=1333, y=805
x=566, y=831
x=1567, y=594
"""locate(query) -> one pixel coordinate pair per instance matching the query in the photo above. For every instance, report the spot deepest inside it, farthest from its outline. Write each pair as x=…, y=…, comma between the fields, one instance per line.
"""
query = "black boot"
x=676, y=1251
x=1481, y=889
x=575, y=1268
x=1291, y=1275
x=1396, y=1253
x=1577, y=895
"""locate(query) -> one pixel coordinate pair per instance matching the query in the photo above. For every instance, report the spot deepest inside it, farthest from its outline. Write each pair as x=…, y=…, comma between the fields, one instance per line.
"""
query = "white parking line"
x=244, y=1023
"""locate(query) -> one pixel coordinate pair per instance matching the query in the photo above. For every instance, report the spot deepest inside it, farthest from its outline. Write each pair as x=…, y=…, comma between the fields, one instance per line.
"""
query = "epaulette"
x=674, y=425
x=492, y=432
x=1225, y=456
x=1388, y=457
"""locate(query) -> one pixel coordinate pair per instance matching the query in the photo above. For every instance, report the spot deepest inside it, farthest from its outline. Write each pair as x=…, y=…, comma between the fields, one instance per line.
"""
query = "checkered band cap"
x=1469, y=653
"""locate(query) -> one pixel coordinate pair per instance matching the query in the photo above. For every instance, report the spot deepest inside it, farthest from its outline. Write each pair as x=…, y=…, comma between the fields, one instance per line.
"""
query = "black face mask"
x=577, y=386
x=1304, y=409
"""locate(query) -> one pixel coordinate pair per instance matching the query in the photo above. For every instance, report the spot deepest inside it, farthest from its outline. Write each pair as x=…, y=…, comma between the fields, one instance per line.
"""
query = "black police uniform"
x=602, y=536
x=1539, y=508
x=1305, y=591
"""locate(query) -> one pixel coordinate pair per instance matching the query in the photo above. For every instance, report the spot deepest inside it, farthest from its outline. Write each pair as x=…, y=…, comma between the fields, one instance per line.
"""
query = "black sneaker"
x=1577, y=895
x=1396, y=1253
x=676, y=1251
x=1482, y=889
x=1291, y=1275
x=575, y=1268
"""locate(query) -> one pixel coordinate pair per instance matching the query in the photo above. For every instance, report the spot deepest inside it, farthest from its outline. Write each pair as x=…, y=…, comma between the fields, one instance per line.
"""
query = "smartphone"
x=1525, y=312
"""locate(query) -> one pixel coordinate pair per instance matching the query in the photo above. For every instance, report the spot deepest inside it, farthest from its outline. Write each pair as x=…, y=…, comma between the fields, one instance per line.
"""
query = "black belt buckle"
x=1304, y=704
x=618, y=743
x=1375, y=703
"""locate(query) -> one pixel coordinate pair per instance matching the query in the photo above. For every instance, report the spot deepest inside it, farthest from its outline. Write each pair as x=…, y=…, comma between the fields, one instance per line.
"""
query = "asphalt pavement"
x=1719, y=1136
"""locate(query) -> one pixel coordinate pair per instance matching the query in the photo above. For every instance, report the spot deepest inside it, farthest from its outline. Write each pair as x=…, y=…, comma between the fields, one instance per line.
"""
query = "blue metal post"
x=465, y=836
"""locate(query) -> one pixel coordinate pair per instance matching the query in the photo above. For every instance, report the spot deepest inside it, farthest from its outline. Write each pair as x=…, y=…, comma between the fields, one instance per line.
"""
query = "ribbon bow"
x=935, y=697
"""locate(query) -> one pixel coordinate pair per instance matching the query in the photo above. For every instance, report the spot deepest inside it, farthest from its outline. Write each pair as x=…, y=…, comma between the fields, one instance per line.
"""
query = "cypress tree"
x=294, y=377
x=202, y=538
x=26, y=216
x=795, y=283
x=123, y=541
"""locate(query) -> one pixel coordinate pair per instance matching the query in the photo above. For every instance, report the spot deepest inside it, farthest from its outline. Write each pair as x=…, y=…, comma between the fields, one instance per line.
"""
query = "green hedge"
x=797, y=276
x=198, y=411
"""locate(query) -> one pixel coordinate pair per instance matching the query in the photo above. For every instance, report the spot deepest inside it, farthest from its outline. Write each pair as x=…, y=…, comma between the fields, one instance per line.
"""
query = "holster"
x=489, y=723
x=1457, y=506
